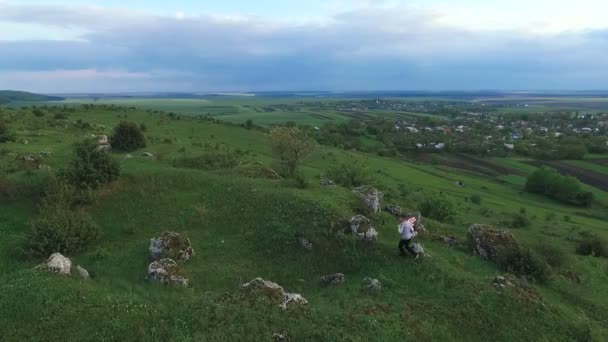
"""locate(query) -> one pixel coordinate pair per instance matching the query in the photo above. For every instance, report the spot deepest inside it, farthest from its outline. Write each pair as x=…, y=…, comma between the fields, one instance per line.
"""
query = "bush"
x=565, y=189
x=438, y=207
x=60, y=116
x=523, y=262
x=5, y=133
x=210, y=161
x=519, y=221
x=592, y=245
x=351, y=175
x=476, y=198
x=300, y=181
x=38, y=113
x=61, y=230
x=89, y=167
x=553, y=255
x=127, y=137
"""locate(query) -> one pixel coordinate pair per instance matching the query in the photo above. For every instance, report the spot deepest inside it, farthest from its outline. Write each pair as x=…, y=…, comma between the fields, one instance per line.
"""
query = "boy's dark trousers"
x=405, y=245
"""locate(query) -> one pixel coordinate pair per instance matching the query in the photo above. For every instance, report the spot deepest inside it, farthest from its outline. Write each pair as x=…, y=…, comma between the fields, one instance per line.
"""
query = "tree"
x=5, y=133
x=290, y=146
x=127, y=136
x=90, y=167
x=249, y=124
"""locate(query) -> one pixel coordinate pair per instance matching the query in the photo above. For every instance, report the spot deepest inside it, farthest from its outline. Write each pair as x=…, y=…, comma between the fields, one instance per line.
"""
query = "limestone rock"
x=305, y=243
x=356, y=222
x=327, y=182
x=165, y=271
x=148, y=155
x=332, y=279
x=372, y=284
x=394, y=210
x=501, y=282
x=417, y=248
x=275, y=292
x=372, y=198
x=83, y=272
x=104, y=148
x=57, y=263
x=128, y=156
x=280, y=337
x=488, y=241
x=171, y=245
x=370, y=235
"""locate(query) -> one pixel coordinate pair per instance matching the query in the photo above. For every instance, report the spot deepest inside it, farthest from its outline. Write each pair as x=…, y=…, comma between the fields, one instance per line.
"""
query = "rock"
x=274, y=291
x=417, y=248
x=304, y=243
x=501, y=282
x=148, y=155
x=372, y=198
x=165, y=271
x=171, y=245
x=327, y=182
x=128, y=156
x=44, y=167
x=83, y=273
x=57, y=263
x=104, y=148
x=102, y=140
x=356, y=222
x=394, y=210
x=370, y=235
x=372, y=284
x=332, y=279
x=280, y=337
x=488, y=241
x=448, y=240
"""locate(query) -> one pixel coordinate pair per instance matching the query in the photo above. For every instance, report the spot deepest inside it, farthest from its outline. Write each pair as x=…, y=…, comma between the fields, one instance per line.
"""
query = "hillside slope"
x=8, y=96
x=242, y=228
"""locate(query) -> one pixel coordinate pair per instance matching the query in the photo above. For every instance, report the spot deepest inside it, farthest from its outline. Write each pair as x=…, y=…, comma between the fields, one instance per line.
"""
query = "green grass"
x=243, y=228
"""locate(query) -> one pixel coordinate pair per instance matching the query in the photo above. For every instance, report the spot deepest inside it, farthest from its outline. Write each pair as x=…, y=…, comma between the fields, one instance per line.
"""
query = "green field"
x=242, y=228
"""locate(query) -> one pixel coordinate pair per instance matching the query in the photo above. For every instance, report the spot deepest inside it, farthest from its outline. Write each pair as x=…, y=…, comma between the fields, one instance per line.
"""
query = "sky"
x=77, y=46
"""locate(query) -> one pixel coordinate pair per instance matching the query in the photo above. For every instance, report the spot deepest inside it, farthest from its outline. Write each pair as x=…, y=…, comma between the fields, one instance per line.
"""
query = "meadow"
x=243, y=227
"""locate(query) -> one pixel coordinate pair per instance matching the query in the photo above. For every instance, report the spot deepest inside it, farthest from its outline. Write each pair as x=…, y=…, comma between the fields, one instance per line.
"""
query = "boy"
x=407, y=232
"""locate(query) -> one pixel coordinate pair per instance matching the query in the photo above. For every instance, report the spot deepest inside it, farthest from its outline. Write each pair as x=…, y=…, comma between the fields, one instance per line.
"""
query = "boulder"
x=147, y=155
x=501, y=282
x=327, y=182
x=57, y=263
x=305, y=243
x=417, y=248
x=488, y=241
x=165, y=271
x=274, y=291
x=356, y=222
x=102, y=140
x=372, y=198
x=332, y=279
x=83, y=272
x=128, y=156
x=104, y=148
x=392, y=209
x=171, y=245
x=280, y=337
x=370, y=235
x=372, y=284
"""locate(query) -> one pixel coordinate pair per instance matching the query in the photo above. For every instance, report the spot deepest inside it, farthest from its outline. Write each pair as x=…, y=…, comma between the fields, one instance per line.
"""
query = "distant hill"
x=7, y=96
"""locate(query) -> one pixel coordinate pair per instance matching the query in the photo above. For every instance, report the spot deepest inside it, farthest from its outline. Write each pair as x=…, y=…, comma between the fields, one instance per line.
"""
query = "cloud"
x=375, y=46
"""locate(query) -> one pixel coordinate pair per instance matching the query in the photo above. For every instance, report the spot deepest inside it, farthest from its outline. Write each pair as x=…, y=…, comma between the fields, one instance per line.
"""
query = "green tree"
x=90, y=167
x=290, y=146
x=127, y=137
x=5, y=133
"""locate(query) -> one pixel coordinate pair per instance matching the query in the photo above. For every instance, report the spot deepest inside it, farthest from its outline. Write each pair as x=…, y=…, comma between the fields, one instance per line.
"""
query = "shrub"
x=5, y=133
x=127, y=137
x=143, y=127
x=562, y=188
x=290, y=146
x=351, y=174
x=438, y=207
x=519, y=221
x=300, y=181
x=592, y=245
x=60, y=116
x=523, y=262
x=90, y=167
x=37, y=112
x=553, y=255
x=210, y=161
x=61, y=230
x=476, y=198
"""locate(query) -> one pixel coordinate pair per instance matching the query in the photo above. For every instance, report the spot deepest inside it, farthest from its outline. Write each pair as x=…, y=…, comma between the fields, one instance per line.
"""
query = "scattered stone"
x=327, y=182
x=370, y=235
x=275, y=292
x=128, y=156
x=104, y=148
x=57, y=263
x=394, y=210
x=450, y=241
x=171, y=245
x=372, y=198
x=417, y=249
x=356, y=222
x=488, y=241
x=44, y=167
x=332, y=279
x=165, y=271
x=148, y=155
x=501, y=282
x=372, y=284
x=305, y=243
x=102, y=139
x=280, y=337
x=83, y=272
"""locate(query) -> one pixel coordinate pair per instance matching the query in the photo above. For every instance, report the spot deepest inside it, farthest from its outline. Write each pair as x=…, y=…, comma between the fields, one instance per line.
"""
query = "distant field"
x=531, y=104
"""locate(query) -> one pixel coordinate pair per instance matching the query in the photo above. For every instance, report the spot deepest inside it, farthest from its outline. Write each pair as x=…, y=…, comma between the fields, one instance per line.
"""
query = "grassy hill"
x=8, y=96
x=242, y=228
